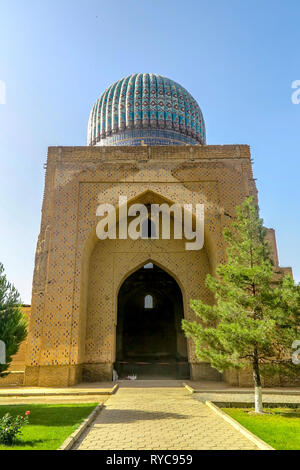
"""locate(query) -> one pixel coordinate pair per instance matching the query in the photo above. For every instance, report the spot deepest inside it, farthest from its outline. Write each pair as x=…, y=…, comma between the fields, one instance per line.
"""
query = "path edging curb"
x=188, y=387
x=74, y=393
x=240, y=391
x=252, y=437
x=73, y=438
x=114, y=389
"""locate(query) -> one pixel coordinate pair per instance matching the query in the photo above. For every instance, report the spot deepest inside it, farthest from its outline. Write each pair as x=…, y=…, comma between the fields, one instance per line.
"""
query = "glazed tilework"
x=141, y=102
x=148, y=137
x=77, y=277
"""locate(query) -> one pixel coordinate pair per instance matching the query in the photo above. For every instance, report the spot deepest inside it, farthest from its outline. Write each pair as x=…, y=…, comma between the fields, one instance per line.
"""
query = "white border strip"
x=252, y=437
x=188, y=387
x=240, y=391
x=17, y=392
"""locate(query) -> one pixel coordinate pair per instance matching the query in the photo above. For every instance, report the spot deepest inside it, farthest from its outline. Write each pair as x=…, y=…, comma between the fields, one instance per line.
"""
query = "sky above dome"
x=238, y=59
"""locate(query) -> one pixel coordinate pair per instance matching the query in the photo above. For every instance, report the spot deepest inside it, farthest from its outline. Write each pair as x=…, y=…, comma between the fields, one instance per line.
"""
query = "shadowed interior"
x=150, y=340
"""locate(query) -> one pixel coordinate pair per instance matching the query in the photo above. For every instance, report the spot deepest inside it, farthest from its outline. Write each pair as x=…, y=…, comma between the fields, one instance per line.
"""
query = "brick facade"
x=77, y=276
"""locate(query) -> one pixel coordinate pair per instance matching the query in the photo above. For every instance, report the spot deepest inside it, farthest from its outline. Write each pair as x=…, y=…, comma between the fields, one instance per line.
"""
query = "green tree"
x=13, y=325
x=255, y=317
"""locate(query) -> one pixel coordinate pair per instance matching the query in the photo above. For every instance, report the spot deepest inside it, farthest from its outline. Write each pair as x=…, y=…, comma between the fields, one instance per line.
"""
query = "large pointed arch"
x=149, y=196
x=154, y=260
x=150, y=342
x=104, y=267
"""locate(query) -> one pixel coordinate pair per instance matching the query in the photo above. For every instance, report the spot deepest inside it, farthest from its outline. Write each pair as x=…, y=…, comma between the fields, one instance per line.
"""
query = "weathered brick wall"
x=77, y=276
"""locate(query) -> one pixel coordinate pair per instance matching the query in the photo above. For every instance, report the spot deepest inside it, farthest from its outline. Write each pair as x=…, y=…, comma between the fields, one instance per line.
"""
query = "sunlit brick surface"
x=160, y=419
x=77, y=277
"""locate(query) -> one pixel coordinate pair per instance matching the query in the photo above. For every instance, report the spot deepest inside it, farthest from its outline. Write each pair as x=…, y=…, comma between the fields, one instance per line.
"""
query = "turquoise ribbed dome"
x=146, y=108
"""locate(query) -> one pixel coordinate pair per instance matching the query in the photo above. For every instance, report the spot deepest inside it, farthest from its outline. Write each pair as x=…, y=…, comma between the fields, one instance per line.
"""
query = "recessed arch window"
x=149, y=229
x=148, y=266
x=148, y=301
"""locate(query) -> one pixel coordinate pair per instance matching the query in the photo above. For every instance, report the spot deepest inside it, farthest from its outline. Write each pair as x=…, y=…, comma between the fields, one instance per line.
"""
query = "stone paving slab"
x=102, y=388
x=219, y=386
x=147, y=383
x=50, y=400
x=159, y=419
x=244, y=398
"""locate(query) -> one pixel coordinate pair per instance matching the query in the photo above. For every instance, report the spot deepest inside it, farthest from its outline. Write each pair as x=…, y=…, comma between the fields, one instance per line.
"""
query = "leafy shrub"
x=13, y=324
x=10, y=427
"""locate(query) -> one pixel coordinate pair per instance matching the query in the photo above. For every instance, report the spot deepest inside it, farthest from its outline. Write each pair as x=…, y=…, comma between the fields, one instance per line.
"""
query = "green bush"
x=10, y=427
x=13, y=324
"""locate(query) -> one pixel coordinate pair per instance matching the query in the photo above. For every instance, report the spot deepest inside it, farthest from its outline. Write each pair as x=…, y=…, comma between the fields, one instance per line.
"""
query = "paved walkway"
x=247, y=399
x=159, y=418
x=51, y=400
x=81, y=393
x=222, y=387
x=101, y=388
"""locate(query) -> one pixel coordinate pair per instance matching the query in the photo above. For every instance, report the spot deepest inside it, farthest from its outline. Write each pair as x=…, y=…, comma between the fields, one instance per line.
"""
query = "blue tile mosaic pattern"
x=146, y=108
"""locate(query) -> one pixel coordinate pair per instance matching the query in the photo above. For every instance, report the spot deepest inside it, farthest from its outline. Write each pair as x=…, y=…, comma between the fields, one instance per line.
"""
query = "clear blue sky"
x=238, y=58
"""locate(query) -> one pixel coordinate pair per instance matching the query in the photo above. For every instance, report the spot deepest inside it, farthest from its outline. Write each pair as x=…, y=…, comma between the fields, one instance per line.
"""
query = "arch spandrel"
x=87, y=242
x=109, y=267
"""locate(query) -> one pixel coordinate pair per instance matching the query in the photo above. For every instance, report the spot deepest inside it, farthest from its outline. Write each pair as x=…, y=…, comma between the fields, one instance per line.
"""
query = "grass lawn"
x=280, y=428
x=49, y=425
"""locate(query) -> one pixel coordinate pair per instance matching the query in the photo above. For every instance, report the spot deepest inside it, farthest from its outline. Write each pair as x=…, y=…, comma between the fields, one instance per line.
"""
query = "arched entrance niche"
x=150, y=342
x=106, y=265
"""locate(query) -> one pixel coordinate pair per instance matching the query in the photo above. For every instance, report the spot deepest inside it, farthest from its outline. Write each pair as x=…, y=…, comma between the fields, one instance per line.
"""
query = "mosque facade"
x=100, y=305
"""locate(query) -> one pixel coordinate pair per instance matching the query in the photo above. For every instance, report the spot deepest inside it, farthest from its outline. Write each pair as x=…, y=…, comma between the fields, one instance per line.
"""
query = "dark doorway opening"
x=150, y=342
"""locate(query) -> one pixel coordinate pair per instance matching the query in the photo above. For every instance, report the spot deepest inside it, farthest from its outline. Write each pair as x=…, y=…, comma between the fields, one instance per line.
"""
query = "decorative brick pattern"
x=77, y=277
